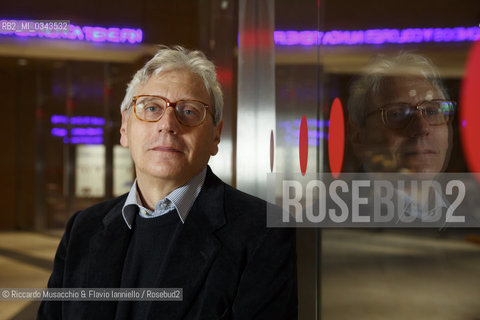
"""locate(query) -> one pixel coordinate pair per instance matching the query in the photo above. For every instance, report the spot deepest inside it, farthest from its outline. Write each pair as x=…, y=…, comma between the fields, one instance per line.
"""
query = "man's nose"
x=418, y=126
x=168, y=123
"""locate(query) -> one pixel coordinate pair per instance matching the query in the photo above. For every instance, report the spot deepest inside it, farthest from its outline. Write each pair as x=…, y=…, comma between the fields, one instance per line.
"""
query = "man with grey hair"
x=400, y=116
x=400, y=123
x=179, y=226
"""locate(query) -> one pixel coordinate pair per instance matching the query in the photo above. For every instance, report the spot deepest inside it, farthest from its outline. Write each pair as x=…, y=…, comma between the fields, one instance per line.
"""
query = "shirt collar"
x=182, y=199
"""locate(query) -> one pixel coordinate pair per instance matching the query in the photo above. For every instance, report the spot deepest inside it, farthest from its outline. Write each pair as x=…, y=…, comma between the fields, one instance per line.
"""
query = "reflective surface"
x=399, y=275
x=256, y=98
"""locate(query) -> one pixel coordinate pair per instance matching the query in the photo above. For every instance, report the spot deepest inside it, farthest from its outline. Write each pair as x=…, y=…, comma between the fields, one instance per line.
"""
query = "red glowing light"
x=470, y=110
x=336, y=138
x=303, y=145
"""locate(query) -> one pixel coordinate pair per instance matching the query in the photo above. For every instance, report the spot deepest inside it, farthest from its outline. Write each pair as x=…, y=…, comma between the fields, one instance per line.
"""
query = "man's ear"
x=123, y=128
x=217, y=132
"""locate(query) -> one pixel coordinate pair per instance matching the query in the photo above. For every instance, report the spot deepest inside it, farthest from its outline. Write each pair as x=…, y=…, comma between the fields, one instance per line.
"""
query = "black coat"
x=229, y=264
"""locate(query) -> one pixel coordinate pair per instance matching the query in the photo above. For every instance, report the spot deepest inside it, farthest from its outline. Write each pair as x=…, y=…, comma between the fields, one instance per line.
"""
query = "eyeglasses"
x=398, y=115
x=151, y=108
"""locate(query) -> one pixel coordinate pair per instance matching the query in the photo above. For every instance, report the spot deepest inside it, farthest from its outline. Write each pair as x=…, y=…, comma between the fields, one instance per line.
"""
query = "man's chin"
x=165, y=173
x=168, y=175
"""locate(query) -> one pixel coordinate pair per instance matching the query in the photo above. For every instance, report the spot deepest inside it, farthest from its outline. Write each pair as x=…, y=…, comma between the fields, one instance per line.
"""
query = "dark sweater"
x=150, y=242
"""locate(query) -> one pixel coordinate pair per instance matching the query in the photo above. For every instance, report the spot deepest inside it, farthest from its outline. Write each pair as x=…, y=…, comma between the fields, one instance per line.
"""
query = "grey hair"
x=368, y=85
x=167, y=59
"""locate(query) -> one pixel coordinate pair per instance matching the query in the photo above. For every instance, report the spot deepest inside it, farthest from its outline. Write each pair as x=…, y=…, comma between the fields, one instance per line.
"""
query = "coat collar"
x=210, y=199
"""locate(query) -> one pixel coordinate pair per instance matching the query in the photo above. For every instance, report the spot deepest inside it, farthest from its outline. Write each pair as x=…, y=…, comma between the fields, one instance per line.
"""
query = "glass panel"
x=321, y=55
x=299, y=95
x=369, y=273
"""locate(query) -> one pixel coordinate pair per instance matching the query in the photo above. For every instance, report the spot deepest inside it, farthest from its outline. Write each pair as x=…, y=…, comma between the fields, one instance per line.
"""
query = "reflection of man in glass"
x=400, y=116
x=400, y=122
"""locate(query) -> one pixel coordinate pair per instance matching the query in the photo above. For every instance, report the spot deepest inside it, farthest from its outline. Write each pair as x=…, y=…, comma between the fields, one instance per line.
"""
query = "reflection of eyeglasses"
x=151, y=108
x=398, y=115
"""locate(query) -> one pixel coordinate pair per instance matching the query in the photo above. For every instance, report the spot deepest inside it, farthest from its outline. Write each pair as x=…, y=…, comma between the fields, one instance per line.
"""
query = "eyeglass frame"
x=417, y=107
x=167, y=105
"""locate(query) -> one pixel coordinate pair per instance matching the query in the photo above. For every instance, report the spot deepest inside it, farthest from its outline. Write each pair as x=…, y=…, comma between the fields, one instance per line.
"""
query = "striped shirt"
x=181, y=199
